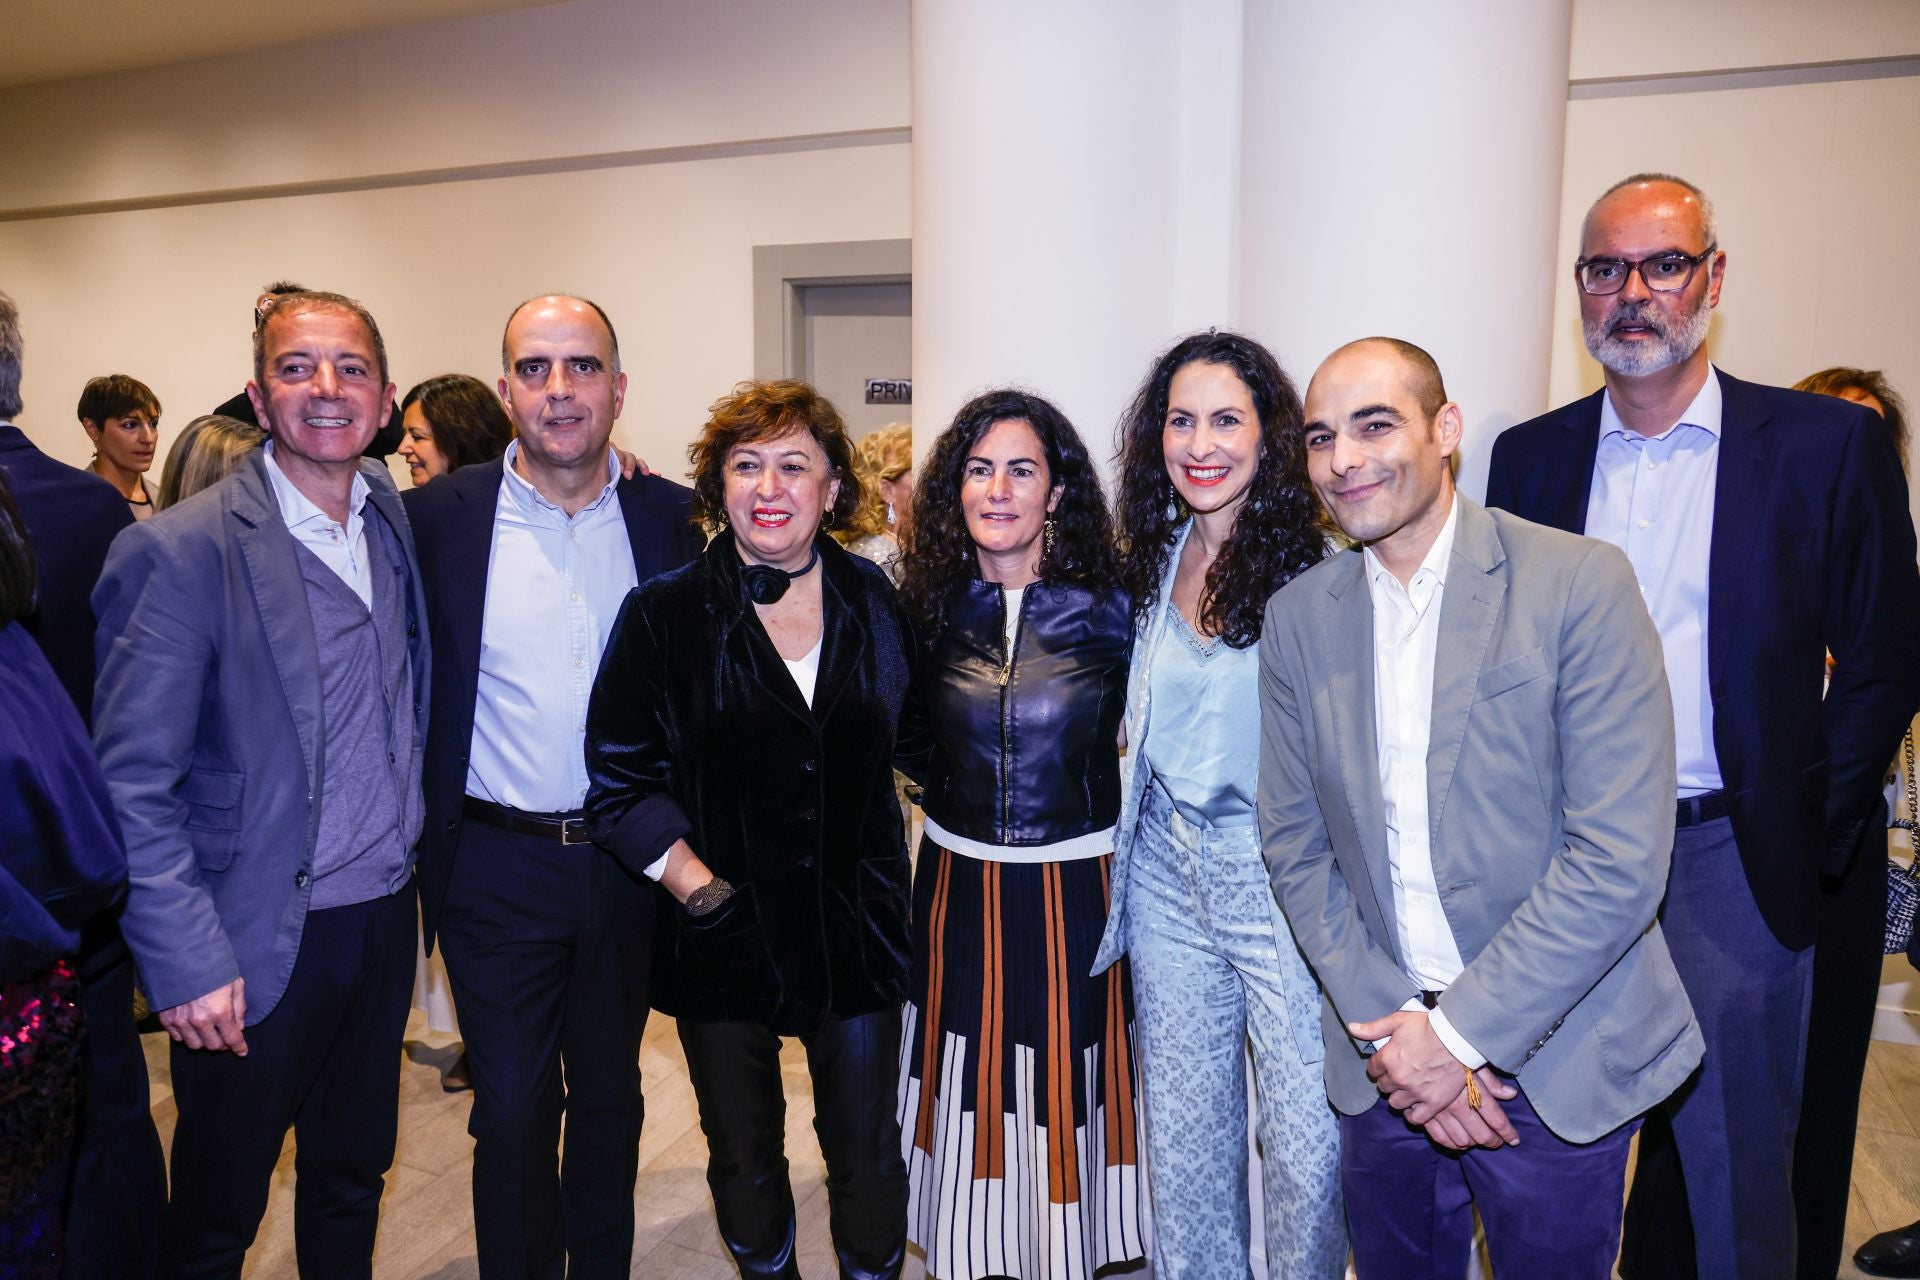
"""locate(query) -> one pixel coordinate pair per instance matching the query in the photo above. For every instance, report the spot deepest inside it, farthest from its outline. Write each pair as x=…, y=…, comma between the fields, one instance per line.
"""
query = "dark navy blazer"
x=61, y=860
x=452, y=520
x=1813, y=552
x=72, y=517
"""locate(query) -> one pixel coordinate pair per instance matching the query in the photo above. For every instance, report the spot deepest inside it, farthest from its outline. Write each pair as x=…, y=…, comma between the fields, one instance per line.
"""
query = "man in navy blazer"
x=261, y=710
x=118, y=1183
x=547, y=938
x=1767, y=528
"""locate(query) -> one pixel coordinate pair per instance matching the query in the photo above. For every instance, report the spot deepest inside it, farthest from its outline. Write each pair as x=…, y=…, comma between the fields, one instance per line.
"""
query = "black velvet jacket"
x=1025, y=747
x=697, y=729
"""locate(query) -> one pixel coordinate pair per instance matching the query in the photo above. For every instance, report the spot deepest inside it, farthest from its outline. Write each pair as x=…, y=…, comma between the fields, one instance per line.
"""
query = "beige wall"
x=638, y=149
x=635, y=152
x=165, y=294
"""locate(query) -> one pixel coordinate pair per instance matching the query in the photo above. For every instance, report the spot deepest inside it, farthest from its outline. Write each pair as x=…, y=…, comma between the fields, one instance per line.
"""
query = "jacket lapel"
x=1346, y=637
x=644, y=545
x=748, y=646
x=1564, y=490
x=1469, y=605
x=468, y=552
x=843, y=641
x=280, y=597
x=1739, y=492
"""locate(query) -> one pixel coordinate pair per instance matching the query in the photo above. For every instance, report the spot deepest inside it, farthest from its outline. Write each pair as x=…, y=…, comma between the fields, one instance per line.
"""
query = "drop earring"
x=890, y=520
x=1046, y=539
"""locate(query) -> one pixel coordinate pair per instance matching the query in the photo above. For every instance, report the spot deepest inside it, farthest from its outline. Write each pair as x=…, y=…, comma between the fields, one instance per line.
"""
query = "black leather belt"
x=567, y=828
x=1431, y=999
x=1695, y=810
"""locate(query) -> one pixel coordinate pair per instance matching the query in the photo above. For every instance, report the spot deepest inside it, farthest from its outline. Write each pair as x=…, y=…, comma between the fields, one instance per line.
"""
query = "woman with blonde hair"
x=207, y=452
x=883, y=460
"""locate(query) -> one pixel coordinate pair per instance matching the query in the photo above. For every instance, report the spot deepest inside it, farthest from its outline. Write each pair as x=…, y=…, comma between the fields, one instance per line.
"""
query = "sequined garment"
x=40, y=1025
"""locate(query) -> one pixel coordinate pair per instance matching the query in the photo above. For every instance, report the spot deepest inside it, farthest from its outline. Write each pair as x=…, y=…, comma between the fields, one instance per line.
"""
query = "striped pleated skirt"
x=1018, y=1098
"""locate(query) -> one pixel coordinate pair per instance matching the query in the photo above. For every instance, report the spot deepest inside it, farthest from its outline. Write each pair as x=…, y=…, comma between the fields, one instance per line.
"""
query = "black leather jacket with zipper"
x=1025, y=743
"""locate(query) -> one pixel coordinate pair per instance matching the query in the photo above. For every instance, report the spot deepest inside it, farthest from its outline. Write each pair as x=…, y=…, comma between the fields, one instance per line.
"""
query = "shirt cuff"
x=1456, y=1043
x=641, y=837
x=1413, y=1003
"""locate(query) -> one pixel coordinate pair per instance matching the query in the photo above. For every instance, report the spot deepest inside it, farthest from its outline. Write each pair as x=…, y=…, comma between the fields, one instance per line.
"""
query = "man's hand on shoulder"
x=213, y=1022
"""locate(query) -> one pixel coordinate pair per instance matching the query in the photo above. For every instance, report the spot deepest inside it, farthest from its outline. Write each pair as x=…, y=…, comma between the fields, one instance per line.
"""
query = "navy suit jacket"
x=61, y=859
x=212, y=732
x=452, y=520
x=1813, y=552
x=72, y=517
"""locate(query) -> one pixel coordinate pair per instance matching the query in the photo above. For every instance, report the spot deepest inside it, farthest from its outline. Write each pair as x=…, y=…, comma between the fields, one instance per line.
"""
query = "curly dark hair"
x=940, y=553
x=1279, y=532
x=765, y=410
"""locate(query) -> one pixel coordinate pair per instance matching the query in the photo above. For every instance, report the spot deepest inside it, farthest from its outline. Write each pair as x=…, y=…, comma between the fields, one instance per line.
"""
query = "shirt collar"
x=521, y=490
x=1703, y=411
x=1434, y=562
x=296, y=508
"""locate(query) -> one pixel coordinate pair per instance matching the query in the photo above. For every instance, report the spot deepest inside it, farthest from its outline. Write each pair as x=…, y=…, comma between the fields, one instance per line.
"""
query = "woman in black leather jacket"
x=1018, y=1110
x=746, y=714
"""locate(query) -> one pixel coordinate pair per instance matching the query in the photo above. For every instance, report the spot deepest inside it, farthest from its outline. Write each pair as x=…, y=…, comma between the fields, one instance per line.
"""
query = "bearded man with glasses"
x=1766, y=527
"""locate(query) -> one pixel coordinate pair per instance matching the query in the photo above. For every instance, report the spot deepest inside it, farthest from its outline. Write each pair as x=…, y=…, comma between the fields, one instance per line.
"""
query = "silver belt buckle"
x=567, y=826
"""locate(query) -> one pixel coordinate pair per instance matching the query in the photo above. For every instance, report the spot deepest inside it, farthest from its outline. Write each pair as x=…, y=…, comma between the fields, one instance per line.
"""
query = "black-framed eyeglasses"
x=1662, y=273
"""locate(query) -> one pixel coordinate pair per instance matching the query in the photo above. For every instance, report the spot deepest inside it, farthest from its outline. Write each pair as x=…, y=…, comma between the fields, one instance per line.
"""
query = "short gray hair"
x=1709, y=221
x=314, y=300
x=11, y=348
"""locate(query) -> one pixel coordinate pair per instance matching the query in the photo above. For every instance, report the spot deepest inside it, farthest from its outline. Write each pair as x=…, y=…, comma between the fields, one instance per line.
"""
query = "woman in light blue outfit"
x=1215, y=515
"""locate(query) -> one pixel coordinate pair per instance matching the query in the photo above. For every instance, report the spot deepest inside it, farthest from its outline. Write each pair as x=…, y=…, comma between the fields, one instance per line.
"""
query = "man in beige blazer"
x=1466, y=806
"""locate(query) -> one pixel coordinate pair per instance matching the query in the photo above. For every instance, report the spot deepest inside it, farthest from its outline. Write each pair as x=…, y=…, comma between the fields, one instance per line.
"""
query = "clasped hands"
x=1428, y=1085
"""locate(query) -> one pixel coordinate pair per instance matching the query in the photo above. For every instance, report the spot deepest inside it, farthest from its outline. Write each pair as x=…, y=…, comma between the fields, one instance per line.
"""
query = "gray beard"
x=1638, y=359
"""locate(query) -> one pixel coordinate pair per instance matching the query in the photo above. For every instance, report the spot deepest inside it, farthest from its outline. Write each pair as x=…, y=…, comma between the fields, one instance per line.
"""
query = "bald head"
x=556, y=305
x=1418, y=371
x=1662, y=198
x=1378, y=436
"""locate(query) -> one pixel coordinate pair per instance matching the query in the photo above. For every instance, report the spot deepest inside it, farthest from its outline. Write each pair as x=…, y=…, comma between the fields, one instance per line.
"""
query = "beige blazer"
x=1550, y=782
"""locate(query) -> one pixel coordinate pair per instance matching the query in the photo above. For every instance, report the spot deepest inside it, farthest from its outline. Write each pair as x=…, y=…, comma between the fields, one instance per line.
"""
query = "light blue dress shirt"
x=554, y=585
x=1653, y=498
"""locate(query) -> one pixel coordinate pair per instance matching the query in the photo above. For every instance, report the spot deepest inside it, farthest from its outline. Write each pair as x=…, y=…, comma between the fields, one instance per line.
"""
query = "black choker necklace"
x=765, y=584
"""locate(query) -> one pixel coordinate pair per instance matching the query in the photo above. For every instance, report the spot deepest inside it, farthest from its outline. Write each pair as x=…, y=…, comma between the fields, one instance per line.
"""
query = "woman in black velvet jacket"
x=747, y=713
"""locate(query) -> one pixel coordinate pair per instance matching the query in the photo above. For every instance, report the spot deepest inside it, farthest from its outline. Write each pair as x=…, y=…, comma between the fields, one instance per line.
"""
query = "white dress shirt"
x=1406, y=632
x=1653, y=498
x=342, y=548
x=554, y=585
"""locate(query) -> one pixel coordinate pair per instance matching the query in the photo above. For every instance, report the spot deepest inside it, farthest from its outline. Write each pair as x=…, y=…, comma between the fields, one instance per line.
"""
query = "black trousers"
x=325, y=1062
x=118, y=1185
x=548, y=947
x=1846, y=986
x=855, y=1065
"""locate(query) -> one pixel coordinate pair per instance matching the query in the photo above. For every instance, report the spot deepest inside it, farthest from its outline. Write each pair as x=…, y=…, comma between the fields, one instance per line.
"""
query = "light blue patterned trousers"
x=1214, y=970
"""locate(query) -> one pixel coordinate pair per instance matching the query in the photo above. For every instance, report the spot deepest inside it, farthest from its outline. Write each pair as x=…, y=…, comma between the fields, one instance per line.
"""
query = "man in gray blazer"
x=259, y=713
x=1466, y=806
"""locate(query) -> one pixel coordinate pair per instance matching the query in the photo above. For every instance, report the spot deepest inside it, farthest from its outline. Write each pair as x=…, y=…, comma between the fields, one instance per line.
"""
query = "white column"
x=1401, y=175
x=1073, y=196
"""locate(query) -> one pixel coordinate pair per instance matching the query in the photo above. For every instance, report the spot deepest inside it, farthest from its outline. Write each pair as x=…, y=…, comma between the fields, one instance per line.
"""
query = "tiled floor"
x=427, y=1224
